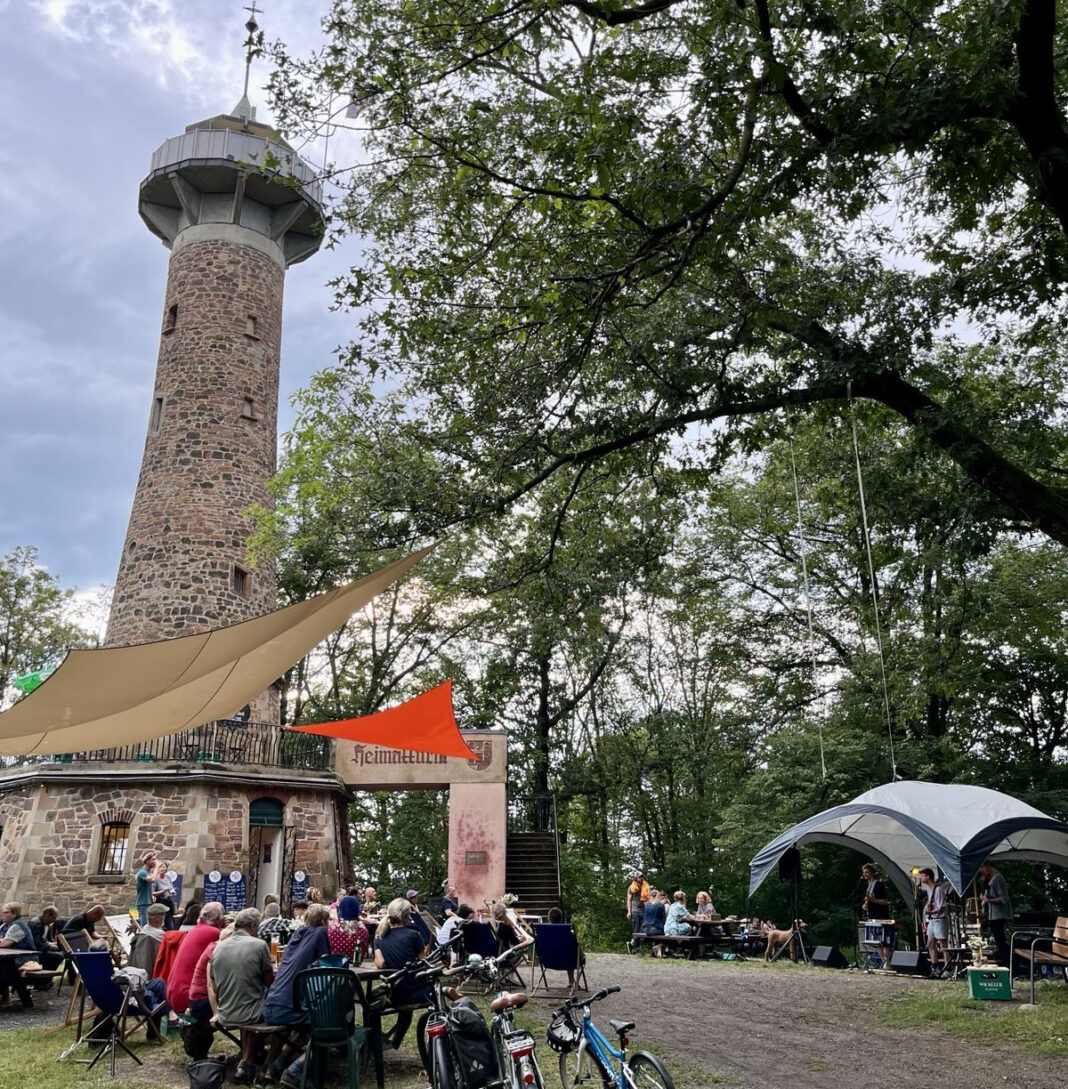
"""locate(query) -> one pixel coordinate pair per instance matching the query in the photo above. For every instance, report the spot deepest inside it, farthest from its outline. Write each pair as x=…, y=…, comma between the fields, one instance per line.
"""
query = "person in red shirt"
x=185, y=961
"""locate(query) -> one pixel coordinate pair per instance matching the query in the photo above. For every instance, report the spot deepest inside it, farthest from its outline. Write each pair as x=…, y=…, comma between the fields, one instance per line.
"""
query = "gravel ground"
x=739, y=1024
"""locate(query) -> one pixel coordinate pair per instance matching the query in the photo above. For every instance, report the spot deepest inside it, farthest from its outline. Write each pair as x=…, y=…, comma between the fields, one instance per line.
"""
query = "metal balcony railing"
x=224, y=742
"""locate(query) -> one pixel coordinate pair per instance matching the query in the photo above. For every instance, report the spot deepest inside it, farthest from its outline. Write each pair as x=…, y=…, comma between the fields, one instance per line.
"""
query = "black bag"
x=207, y=1073
x=470, y=1038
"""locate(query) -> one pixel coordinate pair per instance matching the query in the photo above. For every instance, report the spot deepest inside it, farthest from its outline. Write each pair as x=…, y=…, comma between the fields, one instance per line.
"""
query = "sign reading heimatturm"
x=374, y=767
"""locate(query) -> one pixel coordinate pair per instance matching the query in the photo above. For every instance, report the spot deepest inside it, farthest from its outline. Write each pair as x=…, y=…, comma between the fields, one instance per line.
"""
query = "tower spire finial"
x=253, y=44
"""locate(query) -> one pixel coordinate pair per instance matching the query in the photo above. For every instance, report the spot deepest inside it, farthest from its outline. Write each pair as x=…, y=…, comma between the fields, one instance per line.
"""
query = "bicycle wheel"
x=578, y=1068
x=443, y=1074
x=504, y=1060
x=422, y=1039
x=645, y=1071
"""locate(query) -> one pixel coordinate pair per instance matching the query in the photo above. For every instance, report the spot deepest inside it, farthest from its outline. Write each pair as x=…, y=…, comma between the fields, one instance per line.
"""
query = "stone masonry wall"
x=51, y=834
x=210, y=448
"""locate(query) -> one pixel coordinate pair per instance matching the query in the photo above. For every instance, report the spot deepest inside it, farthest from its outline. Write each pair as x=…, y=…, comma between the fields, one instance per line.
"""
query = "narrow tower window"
x=156, y=417
x=171, y=320
x=248, y=409
x=250, y=326
x=241, y=581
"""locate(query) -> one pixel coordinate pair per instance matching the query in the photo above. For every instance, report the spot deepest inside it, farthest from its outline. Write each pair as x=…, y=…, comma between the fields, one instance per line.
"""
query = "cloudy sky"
x=89, y=89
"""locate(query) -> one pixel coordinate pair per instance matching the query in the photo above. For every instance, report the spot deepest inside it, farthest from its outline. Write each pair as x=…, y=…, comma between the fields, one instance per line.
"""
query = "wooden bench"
x=686, y=943
x=1054, y=951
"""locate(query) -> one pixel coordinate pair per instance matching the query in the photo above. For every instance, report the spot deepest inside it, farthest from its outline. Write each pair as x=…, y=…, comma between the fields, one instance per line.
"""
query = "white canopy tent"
x=118, y=696
x=907, y=825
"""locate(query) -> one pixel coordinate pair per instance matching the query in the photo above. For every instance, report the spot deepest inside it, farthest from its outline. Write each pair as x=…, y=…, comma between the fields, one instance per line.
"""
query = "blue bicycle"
x=587, y=1058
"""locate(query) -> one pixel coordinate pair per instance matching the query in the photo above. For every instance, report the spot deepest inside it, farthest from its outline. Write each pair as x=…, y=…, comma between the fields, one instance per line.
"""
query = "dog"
x=779, y=938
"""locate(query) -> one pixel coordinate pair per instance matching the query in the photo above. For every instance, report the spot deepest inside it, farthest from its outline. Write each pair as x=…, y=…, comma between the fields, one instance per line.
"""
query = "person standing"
x=163, y=893
x=143, y=881
x=998, y=905
x=636, y=899
x=935, y=922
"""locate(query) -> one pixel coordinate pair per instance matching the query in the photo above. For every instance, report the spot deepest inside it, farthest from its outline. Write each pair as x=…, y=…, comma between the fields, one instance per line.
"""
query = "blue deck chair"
x=557, y=949
x=329, y=996
x=126, y=1011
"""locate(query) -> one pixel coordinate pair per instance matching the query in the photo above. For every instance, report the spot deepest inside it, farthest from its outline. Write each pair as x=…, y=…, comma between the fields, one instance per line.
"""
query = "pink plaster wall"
x=478, y=822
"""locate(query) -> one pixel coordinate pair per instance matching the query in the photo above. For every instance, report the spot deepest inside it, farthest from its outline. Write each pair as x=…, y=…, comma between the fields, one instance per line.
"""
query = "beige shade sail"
x=116, y=696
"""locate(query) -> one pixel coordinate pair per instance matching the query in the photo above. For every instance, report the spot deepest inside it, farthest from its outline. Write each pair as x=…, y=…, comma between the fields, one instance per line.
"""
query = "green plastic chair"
x=328, y=997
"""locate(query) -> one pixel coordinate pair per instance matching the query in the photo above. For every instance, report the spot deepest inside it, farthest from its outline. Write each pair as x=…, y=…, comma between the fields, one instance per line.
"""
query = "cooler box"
x=989, y=983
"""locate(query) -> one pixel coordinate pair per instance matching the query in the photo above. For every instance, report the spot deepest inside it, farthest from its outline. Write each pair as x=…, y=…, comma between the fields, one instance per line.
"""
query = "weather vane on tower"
x=254, y=40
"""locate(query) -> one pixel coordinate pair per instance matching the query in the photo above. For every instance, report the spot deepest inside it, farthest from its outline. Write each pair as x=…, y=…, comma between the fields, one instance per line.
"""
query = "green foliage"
x=399, y=841
x=37, y=624
x=629, y=279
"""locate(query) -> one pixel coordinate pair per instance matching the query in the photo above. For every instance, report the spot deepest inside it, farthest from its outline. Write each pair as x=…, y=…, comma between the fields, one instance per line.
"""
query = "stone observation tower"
x=236, y=207
x=237, y=807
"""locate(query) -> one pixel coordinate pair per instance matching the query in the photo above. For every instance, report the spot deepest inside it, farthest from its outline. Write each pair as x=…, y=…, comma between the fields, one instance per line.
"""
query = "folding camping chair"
x=124, y=1010
x=557, y=949
x=77, y=941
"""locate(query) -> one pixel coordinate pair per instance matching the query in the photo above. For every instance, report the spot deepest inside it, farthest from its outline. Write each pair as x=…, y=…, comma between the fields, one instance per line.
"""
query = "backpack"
x=470, y=1039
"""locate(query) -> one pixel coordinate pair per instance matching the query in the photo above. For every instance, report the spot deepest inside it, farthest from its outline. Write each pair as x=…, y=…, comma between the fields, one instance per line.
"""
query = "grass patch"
x=1041, y=1029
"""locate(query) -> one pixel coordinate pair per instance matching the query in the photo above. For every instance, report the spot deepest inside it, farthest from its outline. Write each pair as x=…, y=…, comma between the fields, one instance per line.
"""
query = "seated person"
x=86, y=920
x=452, y=924
x=239, y=971
x=417, y=923
x=15, y=934
x=180, y=977
x=509, y=931
x=298, y=909
x=198, y=1037
x=305, y=946
x=347, y=936
x=654, y=915
x=44, y=929
x=396, y=943
x=190, y=916
x=449, y=905
x=144, y=945
x=675, y=924
x=704, y=905
x=272, y=925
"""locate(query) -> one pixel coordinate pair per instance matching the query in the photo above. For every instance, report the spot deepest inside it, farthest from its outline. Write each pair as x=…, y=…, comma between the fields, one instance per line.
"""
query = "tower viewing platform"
x=230, y=169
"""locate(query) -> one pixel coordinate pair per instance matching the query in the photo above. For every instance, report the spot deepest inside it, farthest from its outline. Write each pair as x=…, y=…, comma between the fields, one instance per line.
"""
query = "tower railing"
x=224, y=742
x=240, y=147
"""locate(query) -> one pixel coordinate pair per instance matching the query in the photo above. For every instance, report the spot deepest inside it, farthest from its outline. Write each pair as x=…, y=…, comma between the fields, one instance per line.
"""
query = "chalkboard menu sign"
x=298, y=886
x=228, y=889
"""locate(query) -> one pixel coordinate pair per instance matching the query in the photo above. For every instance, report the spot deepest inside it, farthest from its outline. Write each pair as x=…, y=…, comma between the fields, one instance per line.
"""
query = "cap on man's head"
x=157, y=909
x=411, y=894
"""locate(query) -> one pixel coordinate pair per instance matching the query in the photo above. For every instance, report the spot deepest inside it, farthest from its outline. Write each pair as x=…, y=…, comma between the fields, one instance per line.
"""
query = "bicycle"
x=586, y=1056
x=516, y=1061
x=454, y=1041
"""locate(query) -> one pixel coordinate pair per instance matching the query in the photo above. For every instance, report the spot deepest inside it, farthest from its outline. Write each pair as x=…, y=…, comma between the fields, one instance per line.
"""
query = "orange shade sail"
x=423, y=724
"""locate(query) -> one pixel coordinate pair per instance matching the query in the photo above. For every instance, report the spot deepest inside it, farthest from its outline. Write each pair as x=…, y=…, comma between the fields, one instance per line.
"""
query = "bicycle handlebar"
x=585, y=1000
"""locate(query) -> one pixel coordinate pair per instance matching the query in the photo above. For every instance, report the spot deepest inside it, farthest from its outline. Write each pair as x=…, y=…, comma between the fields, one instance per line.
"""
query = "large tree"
x=593, y=226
